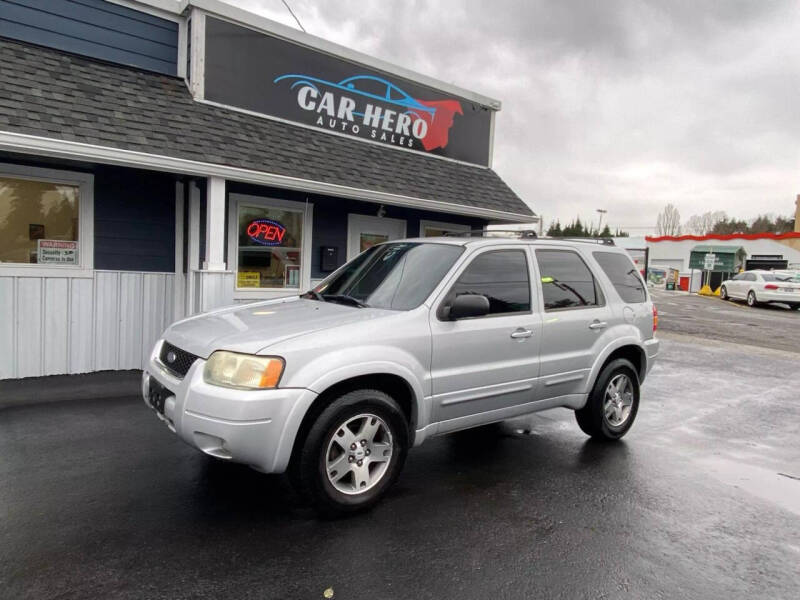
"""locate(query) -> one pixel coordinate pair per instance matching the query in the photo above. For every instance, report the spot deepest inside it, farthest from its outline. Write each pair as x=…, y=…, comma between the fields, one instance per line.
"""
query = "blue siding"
x=134, y=220
x=94, y=28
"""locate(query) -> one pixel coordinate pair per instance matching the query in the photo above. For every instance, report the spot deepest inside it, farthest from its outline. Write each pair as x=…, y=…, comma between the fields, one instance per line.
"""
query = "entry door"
x=483, y=368
x=364, y=231
x=575, y=319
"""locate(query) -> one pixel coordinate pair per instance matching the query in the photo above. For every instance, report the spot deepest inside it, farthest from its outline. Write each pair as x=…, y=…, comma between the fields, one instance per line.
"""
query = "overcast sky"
x=620, y=105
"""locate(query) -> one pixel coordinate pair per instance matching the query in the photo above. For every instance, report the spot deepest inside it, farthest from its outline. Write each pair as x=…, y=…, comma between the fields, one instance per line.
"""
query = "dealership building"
x=161, y=158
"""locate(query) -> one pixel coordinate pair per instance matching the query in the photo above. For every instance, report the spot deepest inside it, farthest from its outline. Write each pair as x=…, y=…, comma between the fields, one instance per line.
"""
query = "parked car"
x=409, y=340
x=758, y=287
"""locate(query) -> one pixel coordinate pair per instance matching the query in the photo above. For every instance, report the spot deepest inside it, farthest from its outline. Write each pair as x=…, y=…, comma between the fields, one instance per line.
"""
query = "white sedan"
x=762, y=286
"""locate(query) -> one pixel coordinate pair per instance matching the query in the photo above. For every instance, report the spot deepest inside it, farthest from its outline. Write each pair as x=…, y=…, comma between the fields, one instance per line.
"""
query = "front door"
x=483, y=368
x=365, y=231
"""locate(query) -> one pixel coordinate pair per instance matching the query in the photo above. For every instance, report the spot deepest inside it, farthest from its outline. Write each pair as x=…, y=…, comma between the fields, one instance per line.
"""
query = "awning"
x=726, y=259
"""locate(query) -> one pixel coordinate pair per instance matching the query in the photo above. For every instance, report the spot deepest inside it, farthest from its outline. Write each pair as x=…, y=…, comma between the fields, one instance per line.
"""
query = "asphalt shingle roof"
x=52, y=94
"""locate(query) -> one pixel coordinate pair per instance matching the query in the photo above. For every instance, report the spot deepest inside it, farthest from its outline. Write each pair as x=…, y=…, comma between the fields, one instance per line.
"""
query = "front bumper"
x=254, y=427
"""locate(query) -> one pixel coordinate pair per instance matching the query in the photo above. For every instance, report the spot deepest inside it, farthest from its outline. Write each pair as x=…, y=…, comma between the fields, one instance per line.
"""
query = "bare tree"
x=703, y=224
x=669, y=221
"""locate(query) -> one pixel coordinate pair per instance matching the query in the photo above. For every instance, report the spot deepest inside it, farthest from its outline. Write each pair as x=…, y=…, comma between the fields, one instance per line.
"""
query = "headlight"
x=243, y=371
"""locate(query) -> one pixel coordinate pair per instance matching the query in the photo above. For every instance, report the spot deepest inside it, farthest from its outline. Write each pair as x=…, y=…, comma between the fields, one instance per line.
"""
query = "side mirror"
x=468, y=305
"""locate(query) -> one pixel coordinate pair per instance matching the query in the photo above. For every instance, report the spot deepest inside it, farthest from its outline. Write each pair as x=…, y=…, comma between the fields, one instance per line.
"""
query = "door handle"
x=521, y=334
x=598, y=325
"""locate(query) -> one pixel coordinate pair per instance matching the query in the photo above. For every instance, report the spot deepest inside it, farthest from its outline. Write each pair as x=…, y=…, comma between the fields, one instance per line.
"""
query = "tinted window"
x=398, y=276
x=740, y=277
x=623, y=275
x=501, y=276
x=750, y=277
x=566, y=280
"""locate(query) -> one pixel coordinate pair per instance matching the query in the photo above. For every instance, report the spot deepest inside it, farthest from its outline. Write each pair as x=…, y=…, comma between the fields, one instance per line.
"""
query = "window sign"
x=269, y=247
x=266, y=232
x=259, y=72
x=31, y=210
x=57, y=252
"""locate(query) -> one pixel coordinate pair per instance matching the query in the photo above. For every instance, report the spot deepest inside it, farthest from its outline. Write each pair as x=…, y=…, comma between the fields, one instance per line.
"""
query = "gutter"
x=42, y=146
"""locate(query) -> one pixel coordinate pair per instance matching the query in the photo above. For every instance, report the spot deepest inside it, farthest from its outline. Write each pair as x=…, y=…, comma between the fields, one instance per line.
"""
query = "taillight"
x=770, y=286
x=655, y=318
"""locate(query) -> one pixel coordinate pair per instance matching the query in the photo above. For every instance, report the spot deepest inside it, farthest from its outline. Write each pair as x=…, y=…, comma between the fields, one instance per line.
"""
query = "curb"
x=63, y=388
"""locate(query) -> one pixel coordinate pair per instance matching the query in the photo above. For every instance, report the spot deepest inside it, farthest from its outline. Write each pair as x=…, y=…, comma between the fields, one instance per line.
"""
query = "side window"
x=750, y=277
x=501, y=276
x=740, y=277
x=566, y=280
x=623, y=275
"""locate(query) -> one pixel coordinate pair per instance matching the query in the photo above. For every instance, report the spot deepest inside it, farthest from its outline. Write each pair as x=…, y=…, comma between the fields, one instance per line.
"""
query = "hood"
x=252, y=327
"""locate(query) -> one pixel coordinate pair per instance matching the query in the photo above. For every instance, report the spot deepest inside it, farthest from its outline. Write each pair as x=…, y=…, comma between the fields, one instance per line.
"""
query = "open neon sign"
x=266, y=232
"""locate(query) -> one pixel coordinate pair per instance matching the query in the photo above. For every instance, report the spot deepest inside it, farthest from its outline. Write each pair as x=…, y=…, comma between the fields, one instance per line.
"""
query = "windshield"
x=776, y=277
x=397, y=276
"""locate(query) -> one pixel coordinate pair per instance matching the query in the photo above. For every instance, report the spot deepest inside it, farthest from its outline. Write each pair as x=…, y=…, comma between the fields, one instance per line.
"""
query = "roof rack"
x=587, y=240
x=527, y=234
x=520, y=233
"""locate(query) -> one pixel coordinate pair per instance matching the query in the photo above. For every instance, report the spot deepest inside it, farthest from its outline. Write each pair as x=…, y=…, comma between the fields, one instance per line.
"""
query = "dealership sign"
x=258, y=72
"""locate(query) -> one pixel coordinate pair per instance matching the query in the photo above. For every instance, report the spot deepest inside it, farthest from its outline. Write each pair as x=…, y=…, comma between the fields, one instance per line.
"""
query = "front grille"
x=181, y=360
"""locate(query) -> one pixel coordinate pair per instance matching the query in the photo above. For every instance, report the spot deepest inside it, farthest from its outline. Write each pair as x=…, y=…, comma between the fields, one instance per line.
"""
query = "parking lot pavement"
x=700, y=500
x=768, y=326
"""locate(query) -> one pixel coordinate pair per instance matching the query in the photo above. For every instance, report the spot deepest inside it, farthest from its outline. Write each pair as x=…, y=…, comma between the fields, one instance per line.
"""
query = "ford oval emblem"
x=171, y=357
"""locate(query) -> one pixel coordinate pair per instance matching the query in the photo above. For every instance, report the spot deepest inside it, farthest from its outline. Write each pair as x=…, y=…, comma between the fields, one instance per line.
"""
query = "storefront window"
x=269, y=247
x=368, y=240
x=38, y=222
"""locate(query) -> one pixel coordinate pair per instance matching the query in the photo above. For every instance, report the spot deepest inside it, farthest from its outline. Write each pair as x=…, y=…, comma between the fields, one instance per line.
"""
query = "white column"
x=215, y=224
x=193, y=249
x=179, y=285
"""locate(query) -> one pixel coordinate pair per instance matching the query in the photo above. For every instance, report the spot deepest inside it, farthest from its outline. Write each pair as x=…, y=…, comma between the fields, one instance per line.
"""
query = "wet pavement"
x=700, y=500
x=765, y=325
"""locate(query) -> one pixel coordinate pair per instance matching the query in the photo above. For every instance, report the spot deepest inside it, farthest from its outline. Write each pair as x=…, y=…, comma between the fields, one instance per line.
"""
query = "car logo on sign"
x=171, y=357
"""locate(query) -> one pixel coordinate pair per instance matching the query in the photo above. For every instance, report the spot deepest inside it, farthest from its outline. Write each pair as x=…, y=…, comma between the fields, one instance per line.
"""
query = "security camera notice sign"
x=57, y=252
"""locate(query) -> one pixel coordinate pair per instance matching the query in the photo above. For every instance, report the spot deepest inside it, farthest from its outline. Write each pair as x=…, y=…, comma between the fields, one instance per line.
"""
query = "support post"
x=215, y=225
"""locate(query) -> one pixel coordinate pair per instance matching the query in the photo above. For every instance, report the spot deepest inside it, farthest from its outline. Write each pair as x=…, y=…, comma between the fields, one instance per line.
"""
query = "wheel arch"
x=390, y=379
x=630, y=350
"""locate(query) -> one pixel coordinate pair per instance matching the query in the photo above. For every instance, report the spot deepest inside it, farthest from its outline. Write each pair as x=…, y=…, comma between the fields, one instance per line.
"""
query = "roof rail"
x=527, y=234
x=519, y=233
x=587, y=240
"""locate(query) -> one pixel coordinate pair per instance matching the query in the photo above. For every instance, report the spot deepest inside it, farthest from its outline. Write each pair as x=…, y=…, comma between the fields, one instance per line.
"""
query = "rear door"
x=487, y=363
x=629, y=286
x=575, y=318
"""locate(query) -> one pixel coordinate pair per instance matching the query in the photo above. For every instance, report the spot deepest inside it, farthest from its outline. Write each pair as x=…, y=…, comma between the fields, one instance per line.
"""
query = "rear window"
x=623, y=275
x=566, y=280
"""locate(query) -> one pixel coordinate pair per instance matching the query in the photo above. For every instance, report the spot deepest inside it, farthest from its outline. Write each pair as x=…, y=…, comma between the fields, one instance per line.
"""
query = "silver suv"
x=409, y=340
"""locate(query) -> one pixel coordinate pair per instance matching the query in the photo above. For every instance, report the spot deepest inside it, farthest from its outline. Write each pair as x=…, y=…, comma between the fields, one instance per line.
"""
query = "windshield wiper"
x=345, y=298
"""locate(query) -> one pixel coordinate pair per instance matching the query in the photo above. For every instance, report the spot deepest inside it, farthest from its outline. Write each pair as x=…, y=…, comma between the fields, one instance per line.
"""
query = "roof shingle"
x=52, y=94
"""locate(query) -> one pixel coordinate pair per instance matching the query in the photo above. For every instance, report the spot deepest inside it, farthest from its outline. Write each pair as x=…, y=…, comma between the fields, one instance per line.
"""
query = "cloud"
x=618, y=104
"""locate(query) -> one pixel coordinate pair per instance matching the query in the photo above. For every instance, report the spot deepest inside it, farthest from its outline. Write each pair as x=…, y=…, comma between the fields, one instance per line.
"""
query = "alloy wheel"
x=358, y=454
x=618, y=400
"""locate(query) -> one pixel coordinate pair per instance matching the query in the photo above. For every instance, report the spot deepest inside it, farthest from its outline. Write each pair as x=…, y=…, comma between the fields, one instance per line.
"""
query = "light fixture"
x=381, y=211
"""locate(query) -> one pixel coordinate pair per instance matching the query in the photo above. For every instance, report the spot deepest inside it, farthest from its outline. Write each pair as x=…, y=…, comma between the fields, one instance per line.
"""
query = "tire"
x=751, y=298
x=332, y=440
x=593, y=418
x=723, y=293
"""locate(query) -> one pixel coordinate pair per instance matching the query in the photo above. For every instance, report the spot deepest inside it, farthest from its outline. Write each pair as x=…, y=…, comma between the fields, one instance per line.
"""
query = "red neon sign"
x=266, y=232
